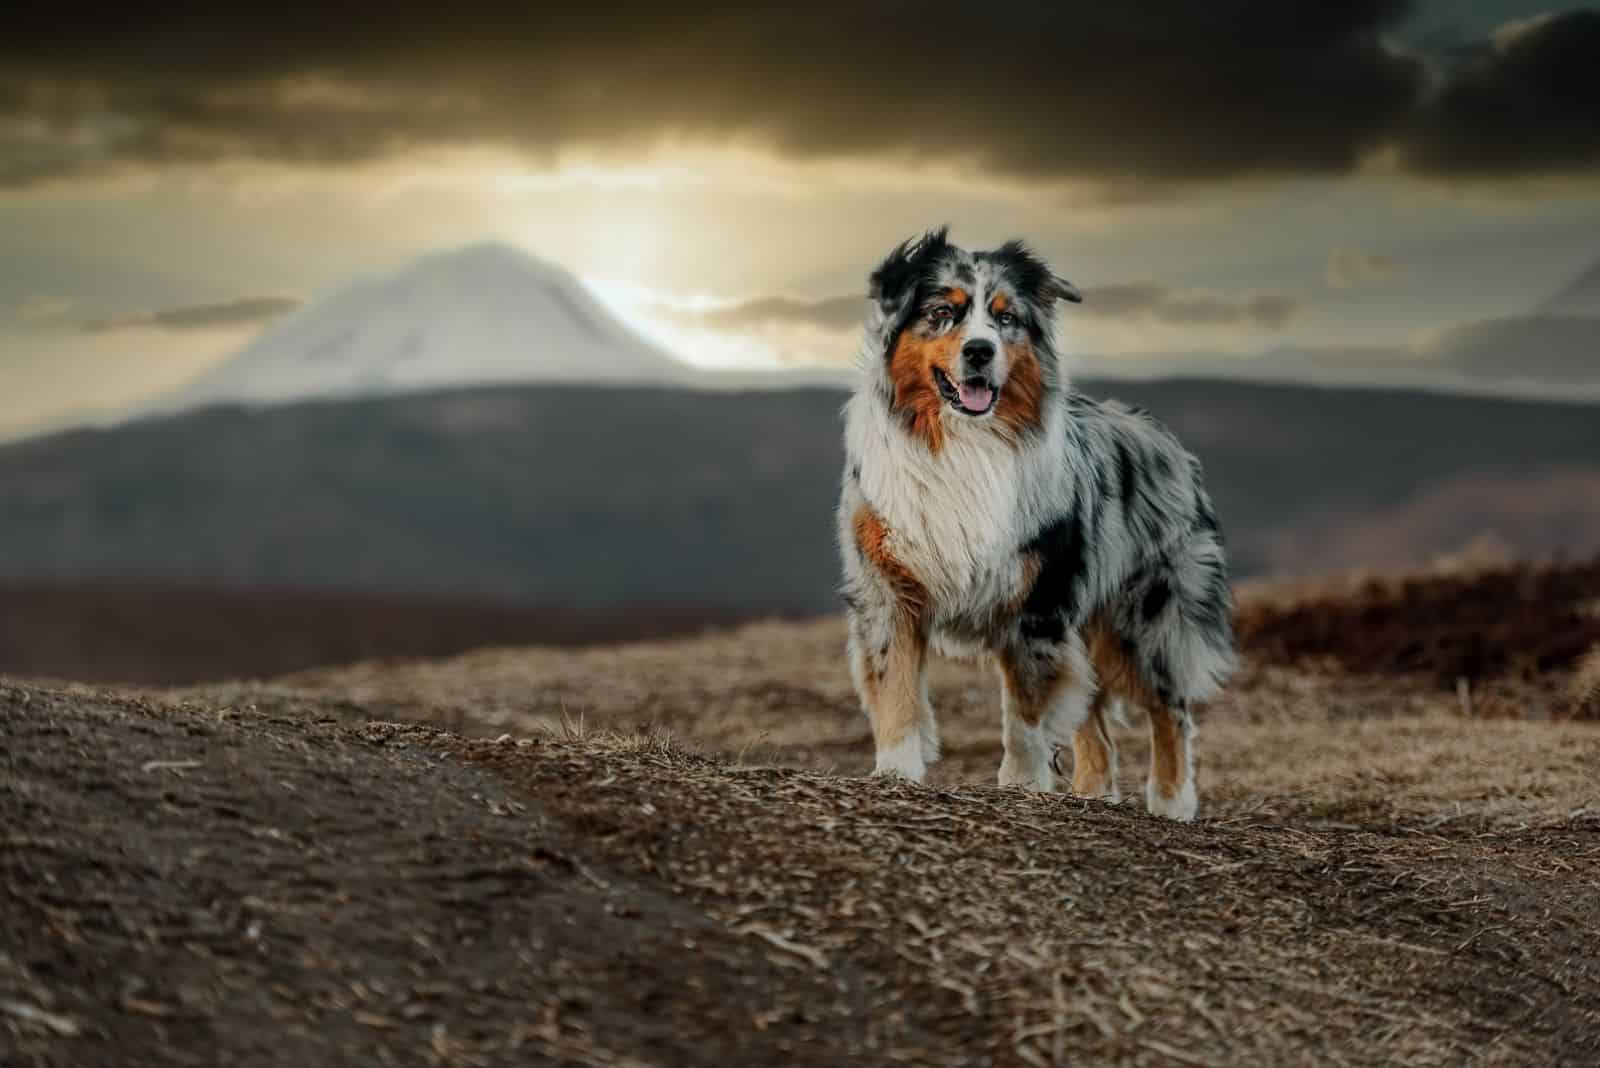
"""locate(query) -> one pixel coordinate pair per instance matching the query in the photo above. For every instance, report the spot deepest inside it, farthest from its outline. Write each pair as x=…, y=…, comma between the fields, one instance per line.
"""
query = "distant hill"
x=589, y=498
x=1557, y=344
x=1580, y=297
x=1556, y=350
x=487, y=313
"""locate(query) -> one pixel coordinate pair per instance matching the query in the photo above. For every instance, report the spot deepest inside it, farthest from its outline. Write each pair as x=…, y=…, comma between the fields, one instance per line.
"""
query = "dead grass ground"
x=663, y=854
x=220, y=885
x=1320, y=747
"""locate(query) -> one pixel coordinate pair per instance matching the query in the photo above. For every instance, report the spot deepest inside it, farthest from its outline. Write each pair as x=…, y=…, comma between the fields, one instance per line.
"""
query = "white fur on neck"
x=957, y=516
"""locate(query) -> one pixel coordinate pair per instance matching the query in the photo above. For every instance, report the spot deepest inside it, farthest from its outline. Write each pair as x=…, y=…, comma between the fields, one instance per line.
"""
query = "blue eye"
x=1007, y=320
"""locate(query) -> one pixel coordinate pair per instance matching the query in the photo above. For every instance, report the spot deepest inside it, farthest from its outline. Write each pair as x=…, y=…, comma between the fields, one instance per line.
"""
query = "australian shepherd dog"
x=987, y=509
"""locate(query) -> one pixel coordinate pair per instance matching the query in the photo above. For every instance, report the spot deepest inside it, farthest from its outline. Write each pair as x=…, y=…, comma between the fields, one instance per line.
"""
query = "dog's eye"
x=940, y=314
x=1007, y=320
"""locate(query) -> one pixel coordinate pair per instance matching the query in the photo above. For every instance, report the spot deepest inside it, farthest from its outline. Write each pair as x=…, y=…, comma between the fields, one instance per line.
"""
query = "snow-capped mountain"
x=487, y=313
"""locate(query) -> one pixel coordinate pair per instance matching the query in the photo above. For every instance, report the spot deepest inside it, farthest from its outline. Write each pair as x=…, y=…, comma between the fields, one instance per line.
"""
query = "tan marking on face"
x=915, y=395
x=999, y=304
x=1020, y=407
x=957, y=296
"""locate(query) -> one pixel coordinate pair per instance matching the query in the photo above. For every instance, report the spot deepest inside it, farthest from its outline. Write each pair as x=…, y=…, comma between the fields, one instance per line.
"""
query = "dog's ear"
x=1058, y=288
x=894, y=283
x=1032, y=275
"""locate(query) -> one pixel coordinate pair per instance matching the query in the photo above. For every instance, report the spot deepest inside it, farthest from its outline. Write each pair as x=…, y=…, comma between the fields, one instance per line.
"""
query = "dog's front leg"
x=1045, y=690
x=888, y=659
x=889, y=648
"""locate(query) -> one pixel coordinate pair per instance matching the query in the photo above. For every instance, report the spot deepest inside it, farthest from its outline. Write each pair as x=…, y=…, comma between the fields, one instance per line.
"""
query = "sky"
x=1339, y=188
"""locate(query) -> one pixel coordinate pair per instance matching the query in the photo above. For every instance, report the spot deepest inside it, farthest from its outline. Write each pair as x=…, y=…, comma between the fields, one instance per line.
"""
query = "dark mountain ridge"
x=593, y=497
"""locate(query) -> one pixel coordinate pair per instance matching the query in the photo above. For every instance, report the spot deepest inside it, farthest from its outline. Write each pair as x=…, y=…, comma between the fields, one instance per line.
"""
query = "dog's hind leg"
x=1045, y=692
x=1094, y=754
x=1170, y=791
x=1126, y=670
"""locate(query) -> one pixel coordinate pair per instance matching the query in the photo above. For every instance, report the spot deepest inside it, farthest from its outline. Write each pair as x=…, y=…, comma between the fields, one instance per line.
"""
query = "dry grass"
x=986, y=925
x=1585, y=688
x=1319, y=747
x=593, y=897
x=1387, y=871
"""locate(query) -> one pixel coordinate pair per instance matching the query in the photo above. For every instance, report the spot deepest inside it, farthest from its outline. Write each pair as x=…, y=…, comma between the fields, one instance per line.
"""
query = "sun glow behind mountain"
x=649, y=312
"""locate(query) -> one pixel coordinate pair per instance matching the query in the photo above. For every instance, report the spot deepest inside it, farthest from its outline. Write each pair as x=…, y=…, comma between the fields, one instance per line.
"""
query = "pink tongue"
x=975, y=398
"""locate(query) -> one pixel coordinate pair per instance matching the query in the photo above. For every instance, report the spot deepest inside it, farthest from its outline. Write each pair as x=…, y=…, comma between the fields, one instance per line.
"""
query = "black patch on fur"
x=1213, y=609
x=1062, y=547
x=1026, y=271
x=1159, y=677
x=907, y=265
x=907, y=271
x=1102, y=482
x=1126, y=472
x=1155, y=599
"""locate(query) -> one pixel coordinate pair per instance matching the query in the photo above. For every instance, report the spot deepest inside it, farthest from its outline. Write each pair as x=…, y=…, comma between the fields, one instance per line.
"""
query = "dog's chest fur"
x=958, y=518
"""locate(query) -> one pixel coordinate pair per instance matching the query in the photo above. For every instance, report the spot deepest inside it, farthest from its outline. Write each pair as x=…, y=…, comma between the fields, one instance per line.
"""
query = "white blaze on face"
x=976, y=384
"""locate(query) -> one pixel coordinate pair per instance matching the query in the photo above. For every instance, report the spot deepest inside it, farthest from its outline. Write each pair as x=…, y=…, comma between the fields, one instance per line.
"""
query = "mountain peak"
x=485, y=255
x=483, y=313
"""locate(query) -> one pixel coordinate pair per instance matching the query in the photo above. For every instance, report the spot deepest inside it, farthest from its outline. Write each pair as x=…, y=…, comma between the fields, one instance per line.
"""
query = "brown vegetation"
x=1585, y=689
x=663, y=853
x=399, y=894
x=163, y=635
x=1523, y=621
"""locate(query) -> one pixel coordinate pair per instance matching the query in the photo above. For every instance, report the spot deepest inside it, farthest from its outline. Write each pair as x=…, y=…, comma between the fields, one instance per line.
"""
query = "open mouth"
x=975, y=396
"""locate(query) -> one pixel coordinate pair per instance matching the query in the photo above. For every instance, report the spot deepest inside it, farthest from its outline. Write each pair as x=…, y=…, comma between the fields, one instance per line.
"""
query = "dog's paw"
x=1035, y=776
x=1182, y=806
x=902, y=761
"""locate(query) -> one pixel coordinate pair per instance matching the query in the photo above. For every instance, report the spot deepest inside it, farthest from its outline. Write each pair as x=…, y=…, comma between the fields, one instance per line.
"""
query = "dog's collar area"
x=977, y=386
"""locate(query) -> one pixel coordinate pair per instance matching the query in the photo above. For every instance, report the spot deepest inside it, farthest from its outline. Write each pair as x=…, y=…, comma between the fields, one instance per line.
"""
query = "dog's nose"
x=978, y=354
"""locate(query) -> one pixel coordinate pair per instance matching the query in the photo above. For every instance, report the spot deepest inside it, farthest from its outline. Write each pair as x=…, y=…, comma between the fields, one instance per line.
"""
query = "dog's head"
x=967, y=335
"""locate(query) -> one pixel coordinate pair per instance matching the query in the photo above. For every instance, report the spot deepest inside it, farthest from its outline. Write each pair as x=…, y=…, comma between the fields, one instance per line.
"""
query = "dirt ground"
x=663, y=854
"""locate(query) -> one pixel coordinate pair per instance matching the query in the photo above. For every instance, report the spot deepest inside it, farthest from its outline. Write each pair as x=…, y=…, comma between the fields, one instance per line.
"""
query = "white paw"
x=903, y=760
x=1028, y=774
x=930, y=745
x=1180, y=807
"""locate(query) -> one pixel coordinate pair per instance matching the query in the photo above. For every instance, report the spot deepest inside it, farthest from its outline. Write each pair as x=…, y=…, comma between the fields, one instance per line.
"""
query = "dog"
x=987, y=509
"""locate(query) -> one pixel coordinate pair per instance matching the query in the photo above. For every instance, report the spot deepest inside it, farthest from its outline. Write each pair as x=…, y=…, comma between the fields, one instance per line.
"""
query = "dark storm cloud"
x=1138, y=93
x=1529, y=102
x=244, y=311
x=1149, y=302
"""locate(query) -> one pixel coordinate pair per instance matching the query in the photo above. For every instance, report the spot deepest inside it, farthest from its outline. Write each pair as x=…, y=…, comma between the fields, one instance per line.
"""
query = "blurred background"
x=326, y=337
